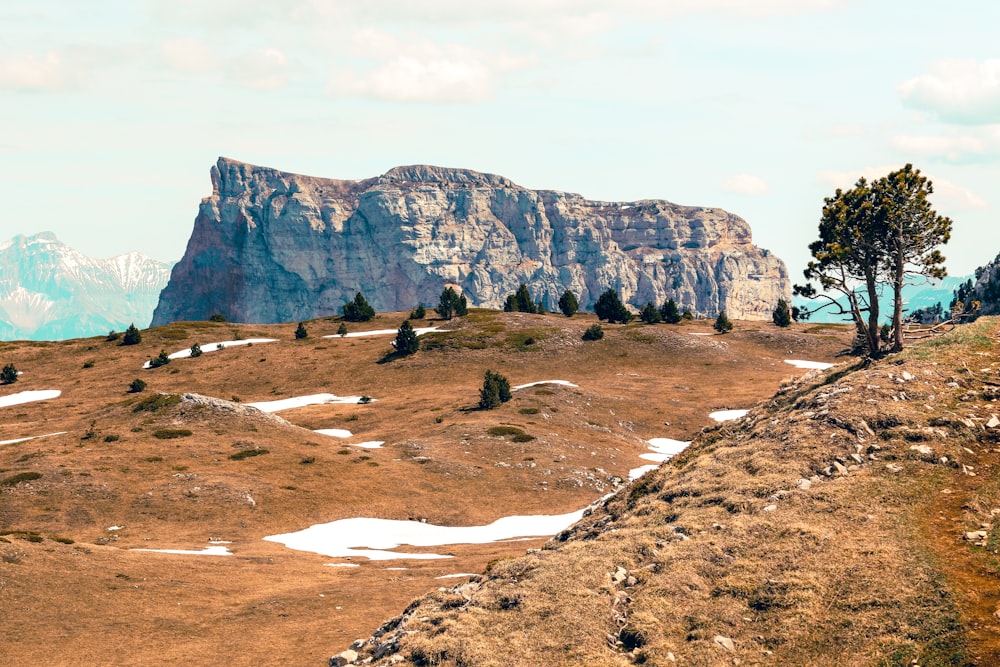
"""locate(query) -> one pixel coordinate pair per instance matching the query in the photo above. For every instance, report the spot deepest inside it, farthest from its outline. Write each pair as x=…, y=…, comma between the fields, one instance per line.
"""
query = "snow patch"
x=458, y=575
x=565, y=383
x=341, y=565
x=206, y=551
x=301, y=401
x=334, y=432
x=30, y=437
x=371, y=444
x=636, y=473
x=28, y=397
x=373, y=538
x=799, y=363
x=420, y=331
x=213, y=347
x=727, y=415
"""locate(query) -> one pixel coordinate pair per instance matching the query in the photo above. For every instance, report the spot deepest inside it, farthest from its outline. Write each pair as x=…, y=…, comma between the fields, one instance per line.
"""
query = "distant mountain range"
x=922, y=295
x=49, y=291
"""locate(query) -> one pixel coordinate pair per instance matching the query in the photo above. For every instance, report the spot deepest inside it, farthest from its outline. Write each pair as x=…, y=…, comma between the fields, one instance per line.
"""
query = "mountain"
x=983, y=287
x=49, y=291
x=270, y=246
x=922, y=295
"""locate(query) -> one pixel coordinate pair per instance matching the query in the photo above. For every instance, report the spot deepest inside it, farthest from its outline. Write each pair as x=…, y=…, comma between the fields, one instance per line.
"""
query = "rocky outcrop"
x=270, y=246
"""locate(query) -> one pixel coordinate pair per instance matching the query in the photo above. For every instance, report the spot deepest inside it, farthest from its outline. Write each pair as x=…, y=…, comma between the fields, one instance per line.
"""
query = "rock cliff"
x=270, y=246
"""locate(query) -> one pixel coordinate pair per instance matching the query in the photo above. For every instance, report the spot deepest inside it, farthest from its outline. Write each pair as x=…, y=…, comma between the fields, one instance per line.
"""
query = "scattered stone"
x=993, y=422
x=857, y=457
x=724, y=642
x=770, y=508
x=892, y=467
x=907, y=376
x=841, y=468
x=925, y=451
x=348, y=657
x=976, y=535
x=803, y=484
x=619, y=576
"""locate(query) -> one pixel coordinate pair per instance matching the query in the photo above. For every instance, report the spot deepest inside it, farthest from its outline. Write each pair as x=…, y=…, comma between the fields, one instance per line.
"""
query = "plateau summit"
x=271, y=246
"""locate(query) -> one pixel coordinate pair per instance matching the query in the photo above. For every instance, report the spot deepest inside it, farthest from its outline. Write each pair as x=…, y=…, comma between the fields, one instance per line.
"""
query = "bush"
x=300, y=331
x=358, y=310
x=247, y=453
x=364, y=400
x=686, y=315
x=650, y=314
x=136, y=386
x=722, y=323
x=88, y=364
x=132, y=336
x=419, y=312
x=495, y=391
x=669, y=312
x=113, y=336
x=20, y=477
x=160, y=360
x=156, y=402
x=342, y=330
x=196, y=350
x=217, y=317
x=593, y=332
x=9, y=374
x=171, y=433
x=781, y=315
x=568, y=304
x=610, y=307
x=406, y=339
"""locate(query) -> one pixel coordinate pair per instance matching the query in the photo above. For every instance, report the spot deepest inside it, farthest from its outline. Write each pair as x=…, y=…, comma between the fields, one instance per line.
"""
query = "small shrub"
x=495, y=391
x=153, y=459
x=365, y=400
x=342, y=330
x=61, y=540
x=723, y=323
x=217, y=317
x=529, y=411
x=20, y=477
x=686, y=315
x=111, y=438
x=171, y=433
x=781, y=315
x=9, y=374
x=593, y=332
x=196, y=351
x=300, y=332
x=160, y=360
x=306, y=460
x=132, y=336
x=136, y=386
x=419, y=312
x=88, y=364
x=247, y=453
x=112, y=336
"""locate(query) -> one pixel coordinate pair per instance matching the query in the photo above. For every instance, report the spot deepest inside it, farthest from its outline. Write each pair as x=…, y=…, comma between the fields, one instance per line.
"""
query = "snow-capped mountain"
x=49, y=291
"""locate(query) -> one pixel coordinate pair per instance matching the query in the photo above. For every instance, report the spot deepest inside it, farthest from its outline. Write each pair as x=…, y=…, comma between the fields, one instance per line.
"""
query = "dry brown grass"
x=94, y=601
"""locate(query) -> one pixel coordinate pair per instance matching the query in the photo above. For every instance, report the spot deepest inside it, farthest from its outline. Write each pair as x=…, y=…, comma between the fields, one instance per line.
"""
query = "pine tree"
x=462, y=306
x=669, y=312
x=593, y=332
x=9, y=374
x=723, y=323
x=650, y=314
x=161, y=360
x=568, y=304
x=300, y=332
x=136, y=386
x=132, y=336
x=196, y=350
x=610, y=307
x=342, y=330
x=358, y=310
x=495, y=391
x=450, y=304
x=419, y=312
x=406, y=339
x=782, y=316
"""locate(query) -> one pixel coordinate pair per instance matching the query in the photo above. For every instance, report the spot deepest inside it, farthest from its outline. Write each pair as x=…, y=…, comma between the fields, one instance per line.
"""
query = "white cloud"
x=263, y=69
x=946, y=193
x=189, y=55
x=952, y=145
x=34, y=74
x=957, y=90
x=747, y=184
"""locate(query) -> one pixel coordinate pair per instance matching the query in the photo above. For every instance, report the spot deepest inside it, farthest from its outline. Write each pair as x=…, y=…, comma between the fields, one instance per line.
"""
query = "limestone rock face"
x=270, y=246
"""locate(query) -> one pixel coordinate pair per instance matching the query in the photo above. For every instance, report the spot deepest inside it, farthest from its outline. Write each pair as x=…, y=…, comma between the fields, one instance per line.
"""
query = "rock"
x=769, y=508
x=270, y=246
x=976, y=535
x=993, y=422
x=803, y=484
x=348, y=657
x=619, y=576
x=925, y=451
x=841, y=468
x=724, y=642
x=906, y=376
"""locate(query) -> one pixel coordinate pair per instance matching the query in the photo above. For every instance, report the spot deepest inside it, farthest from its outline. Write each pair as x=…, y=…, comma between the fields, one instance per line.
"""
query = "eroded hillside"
x=849, y=520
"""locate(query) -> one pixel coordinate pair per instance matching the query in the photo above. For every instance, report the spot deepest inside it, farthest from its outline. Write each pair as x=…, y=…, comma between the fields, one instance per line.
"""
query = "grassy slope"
x=94, y=601
x=755, y=535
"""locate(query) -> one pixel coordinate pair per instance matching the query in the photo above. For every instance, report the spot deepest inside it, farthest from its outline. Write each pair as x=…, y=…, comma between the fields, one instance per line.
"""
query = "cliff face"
x=270, y=246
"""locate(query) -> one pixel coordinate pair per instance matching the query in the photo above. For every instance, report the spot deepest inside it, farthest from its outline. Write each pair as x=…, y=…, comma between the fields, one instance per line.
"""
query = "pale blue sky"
x=112, y=112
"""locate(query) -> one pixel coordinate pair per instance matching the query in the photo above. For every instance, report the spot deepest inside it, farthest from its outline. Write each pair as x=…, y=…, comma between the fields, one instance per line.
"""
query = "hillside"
x=118, y=471
x=49, y=291
x=848, y=520
x=272, y=246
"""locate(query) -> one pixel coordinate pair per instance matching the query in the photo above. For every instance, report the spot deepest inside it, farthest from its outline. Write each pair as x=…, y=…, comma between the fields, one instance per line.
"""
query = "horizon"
x=761, y=109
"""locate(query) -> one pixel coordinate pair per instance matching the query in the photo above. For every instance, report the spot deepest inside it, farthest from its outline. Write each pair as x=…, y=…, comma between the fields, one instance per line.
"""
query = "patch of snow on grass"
x=371, y=444
x=636, y=473
x=700, y=333
x=30, y=437
x=459, y=575
x=28, y=397
x=799, y=363
x=565, y=383
x=212, y=347
x=206, y=551
x=341, y=565
x=334, y=432
x=373, y=538
x=661, y=449
x=727, y=415
x=420, y=331
x=301, y=401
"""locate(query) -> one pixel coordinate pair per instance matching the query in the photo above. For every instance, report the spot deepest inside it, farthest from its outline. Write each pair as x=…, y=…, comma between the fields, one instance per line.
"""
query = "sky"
x=113, y=111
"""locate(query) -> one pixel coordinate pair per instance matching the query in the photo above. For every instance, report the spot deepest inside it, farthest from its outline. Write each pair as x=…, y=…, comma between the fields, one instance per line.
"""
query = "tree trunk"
x=897, y=286
x=874, y=345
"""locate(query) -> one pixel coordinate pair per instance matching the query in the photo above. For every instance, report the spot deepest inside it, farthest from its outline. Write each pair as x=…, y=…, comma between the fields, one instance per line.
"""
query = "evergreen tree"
x=610, y=307
x=781, y=315
x=568, y=304
x=196, y=350
x=669, y=312
x=161, y=360
x=522, y=300
x=358, y=310
x=406, y=339
x=9, y=374
x=593, y=332
x=461, y=306
x=342, y=330
x=687, y=315
x=132, y=336
x=136, y=386
x=217, y=317
x=722, y=323
x=650, y=314
x=450, y=304
x=300, y=332
x=495, y=391
x=419, y=312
